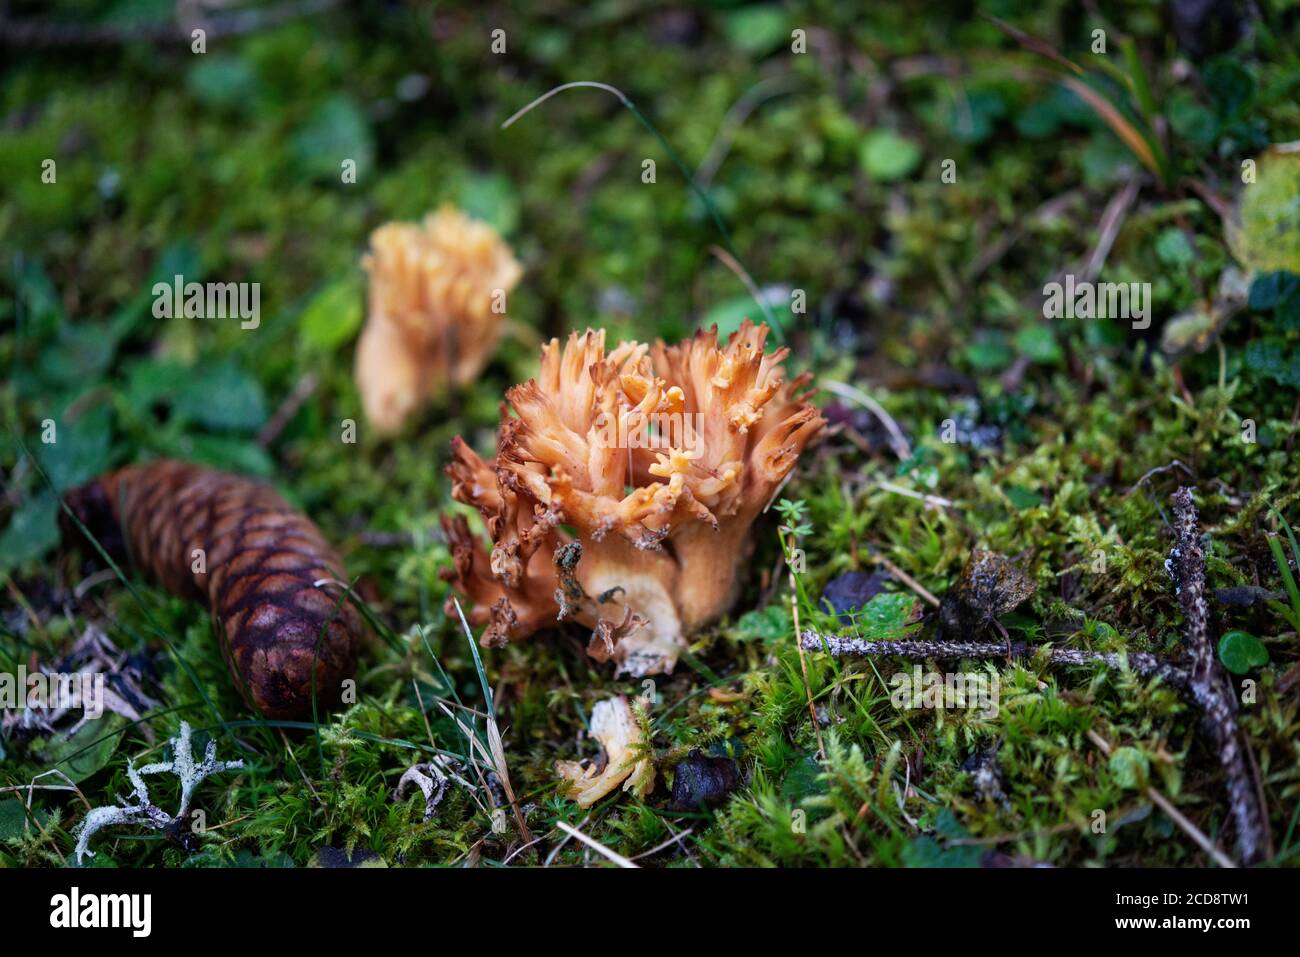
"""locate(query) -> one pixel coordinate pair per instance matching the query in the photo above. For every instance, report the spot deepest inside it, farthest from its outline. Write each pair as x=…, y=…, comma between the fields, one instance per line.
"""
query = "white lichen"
x=432, y=778
x=140, y=810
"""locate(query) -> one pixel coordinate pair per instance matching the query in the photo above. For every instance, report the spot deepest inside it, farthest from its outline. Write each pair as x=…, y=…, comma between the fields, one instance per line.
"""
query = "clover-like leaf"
x=1241, y=652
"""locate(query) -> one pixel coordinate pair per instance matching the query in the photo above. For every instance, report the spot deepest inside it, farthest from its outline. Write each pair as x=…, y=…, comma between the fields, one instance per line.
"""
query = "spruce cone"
x=235, y=544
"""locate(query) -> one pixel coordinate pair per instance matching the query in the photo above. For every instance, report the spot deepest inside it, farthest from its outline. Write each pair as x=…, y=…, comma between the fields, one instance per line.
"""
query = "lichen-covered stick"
x=1209, y=684
x=1202, y=679
x=1143, y=663
x=274, y=585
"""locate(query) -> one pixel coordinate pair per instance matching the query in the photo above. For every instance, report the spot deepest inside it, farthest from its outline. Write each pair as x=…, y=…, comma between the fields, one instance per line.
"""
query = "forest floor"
x=920, y=179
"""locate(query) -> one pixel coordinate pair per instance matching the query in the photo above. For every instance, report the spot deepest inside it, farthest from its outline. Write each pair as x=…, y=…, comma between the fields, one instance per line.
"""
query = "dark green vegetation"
x=927, y=294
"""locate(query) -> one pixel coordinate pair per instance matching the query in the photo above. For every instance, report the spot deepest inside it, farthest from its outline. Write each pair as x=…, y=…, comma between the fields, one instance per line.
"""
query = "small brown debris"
x=701, y=781
x=722, y=696
x=607, y=634
x=990, y=586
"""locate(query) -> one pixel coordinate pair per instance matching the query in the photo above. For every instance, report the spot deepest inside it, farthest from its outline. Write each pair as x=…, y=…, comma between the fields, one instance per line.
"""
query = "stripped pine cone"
x=273, y=583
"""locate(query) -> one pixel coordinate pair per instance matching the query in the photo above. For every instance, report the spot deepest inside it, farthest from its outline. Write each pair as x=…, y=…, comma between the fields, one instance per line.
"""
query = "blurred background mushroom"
x=437, y=302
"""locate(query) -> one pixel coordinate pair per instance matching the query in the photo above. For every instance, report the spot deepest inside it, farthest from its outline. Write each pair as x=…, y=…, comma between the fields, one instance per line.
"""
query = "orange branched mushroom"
x=659, y=459
x=437, y=300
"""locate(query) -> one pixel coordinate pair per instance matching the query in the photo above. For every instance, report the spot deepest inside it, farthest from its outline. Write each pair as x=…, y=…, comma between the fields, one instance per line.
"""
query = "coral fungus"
x=624, y=488
x=437, y=300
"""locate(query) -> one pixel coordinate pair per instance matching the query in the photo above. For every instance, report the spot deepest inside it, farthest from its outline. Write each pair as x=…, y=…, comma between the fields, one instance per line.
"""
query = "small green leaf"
x=1268, y=288
x=1038, y=343
x=972, y=118
x=1190, y=120
x=333, y=316
x=222, y=80
x=925, y=851
x=43, y=310
x=223, y=396
x=86, y=752
x=1130, y=767
x=491, y=198
x=889, y=615
x=757, y=30
x=33, y=530
x=804, y=780
x=885, y=156
x=153, y=381
x=1106, y=160
x=1173, y=248
x=1273, y=358
x=229, y=453
x=730, y=313
x=1278, y=291
x=80, y=356
x=1287, y=313
x=1230, y=85
x=1022, y=497
x=14, y=821
x=80, y=450
x=337, y=131
x=1103, y=334
x=1241, y=652
x=766, y=623
x=988, y=351
x=1058, y=108
x=246, y=858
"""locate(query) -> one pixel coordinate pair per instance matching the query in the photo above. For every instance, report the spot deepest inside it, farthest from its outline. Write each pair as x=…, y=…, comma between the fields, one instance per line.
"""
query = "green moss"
x=225, y=166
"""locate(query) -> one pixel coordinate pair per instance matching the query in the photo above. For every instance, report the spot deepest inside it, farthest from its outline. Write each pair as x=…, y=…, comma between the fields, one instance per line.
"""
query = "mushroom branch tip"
x=624, y=488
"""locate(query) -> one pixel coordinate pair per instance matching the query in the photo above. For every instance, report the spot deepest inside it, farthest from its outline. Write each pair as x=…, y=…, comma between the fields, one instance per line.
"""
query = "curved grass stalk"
x=702, y=194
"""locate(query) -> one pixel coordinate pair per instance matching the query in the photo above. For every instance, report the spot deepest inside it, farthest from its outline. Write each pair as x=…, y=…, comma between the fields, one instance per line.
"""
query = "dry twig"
x=1209, y=686
x=1204, y=682
x=1145, y=664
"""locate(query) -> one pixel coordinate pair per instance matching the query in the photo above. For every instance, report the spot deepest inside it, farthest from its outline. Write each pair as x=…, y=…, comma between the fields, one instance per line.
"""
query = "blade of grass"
x=1118, y=123
x=1142, y=145
x=494, y=733
x=1286, y=527
x=1284, y=569
x=1288, y=582
x=797, y=594
x=1137, y=77
x=1033, y=44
